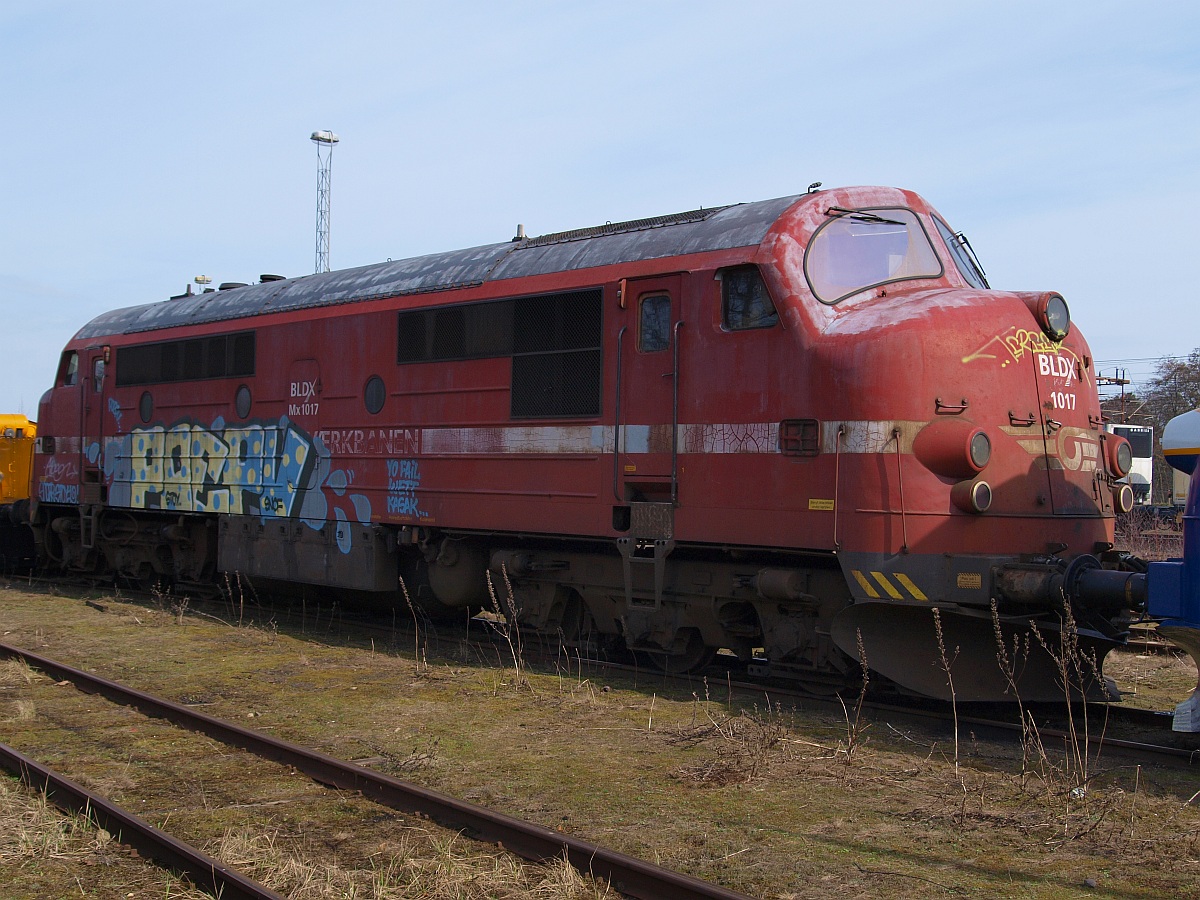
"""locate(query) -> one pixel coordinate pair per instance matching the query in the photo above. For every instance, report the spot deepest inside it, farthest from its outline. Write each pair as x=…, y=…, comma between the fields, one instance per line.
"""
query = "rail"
x=203, y=871
x=627, y=874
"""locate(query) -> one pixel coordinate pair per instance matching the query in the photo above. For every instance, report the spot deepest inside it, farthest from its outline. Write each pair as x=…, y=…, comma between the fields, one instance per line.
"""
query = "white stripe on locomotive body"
x=554, y=439
x=712, y=437
x=268, y=467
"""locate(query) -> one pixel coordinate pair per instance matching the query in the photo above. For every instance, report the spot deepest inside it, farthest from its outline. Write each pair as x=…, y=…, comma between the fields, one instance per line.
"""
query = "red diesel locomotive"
x=789, y=429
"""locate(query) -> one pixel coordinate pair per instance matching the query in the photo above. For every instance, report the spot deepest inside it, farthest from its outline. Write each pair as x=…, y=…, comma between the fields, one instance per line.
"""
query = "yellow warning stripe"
x=906, y=582
x=887, y=586
x=864, y=584
x=890, y=589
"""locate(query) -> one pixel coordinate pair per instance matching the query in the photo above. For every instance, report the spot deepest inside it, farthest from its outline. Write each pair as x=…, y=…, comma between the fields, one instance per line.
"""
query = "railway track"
x=204, y=872
x=1052, y=724
x=1149, y=731
x=1149, y=726
x=632, y=877
x=1050, y=727
x=157, y=650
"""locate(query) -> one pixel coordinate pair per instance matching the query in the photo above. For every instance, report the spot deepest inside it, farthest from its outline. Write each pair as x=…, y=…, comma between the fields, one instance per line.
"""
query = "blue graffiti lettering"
x=404, y=479
x=253, y=469
x=49, y=492
x=266, y=468
x=115, y=408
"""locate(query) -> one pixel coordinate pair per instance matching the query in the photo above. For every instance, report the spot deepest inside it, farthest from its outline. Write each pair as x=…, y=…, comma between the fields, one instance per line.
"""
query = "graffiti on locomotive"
x=269, y=469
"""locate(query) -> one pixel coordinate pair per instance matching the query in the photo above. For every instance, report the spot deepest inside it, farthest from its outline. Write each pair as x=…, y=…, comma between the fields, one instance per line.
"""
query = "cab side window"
x=654, y=323
x=745, y=302
x=68, y=369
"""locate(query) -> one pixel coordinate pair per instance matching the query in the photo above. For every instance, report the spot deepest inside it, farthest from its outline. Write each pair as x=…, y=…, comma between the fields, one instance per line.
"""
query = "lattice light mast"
x=324, y=141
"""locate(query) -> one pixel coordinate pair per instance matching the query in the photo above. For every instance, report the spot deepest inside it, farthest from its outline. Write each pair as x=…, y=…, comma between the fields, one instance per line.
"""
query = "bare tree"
x=1174, y=389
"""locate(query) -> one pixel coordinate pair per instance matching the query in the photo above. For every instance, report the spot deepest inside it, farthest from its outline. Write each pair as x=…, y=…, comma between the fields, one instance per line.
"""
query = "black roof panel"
x=678, y=235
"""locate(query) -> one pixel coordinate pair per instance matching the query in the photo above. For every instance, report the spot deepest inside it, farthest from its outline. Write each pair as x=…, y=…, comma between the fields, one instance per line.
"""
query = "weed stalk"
x=947, y=663
x=510, y=629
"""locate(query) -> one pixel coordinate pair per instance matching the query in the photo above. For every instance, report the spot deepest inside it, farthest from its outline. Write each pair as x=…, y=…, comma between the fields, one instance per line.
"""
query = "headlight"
x=981, y=449
x=953, y=448
x=972, y=496
x=1120, y=455
x=1054, y=317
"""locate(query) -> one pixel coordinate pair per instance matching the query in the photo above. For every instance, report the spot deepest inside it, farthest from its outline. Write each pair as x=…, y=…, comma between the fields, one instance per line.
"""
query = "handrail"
x=837, y=480
x=617, y=421
x=900, y=481
x=675, y=420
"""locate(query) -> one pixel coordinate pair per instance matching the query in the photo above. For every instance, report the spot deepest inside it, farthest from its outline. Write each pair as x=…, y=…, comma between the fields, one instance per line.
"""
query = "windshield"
x=864, y=248
x=964, y=256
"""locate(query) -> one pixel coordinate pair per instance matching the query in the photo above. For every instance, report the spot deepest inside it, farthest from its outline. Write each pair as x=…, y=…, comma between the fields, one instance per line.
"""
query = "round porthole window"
x=241, y=403
x=146, y=407
x=374, y=394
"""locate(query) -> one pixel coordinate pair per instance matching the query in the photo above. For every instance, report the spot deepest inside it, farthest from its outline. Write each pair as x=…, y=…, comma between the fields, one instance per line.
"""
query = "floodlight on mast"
x=324, y=141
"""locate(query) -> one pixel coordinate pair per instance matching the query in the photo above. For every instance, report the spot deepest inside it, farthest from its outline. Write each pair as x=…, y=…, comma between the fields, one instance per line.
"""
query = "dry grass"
x=1159, y=680
x=419, y=865
x=14, y=673
x=774, y=802
x=1151, y=680
x=41, y=847
x=30, y=828
x=746, y=746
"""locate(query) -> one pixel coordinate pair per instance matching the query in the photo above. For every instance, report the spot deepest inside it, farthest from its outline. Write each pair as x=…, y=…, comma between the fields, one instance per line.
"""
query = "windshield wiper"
x=972, y=258
x=859, y=215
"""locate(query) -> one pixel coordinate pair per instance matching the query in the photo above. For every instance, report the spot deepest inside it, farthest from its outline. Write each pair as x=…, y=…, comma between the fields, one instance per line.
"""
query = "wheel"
x=695, y=656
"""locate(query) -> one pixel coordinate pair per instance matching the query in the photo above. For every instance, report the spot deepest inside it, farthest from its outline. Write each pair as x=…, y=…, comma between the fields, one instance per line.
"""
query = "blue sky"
x=147, y=143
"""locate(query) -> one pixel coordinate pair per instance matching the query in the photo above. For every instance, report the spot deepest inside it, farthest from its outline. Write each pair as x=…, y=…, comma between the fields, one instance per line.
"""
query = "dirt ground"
x=775, y=800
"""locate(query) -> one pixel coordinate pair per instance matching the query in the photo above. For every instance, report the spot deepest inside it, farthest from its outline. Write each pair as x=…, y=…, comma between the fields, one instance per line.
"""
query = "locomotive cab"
x=972, y=421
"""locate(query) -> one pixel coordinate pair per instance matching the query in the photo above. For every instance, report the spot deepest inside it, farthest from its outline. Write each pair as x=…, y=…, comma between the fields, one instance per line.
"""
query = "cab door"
x=93, y=386
x=646, y=458
x=648, y=444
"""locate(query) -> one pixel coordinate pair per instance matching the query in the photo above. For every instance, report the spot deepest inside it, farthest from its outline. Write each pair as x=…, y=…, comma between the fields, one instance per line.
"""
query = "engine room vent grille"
x=556, y=355
x=219, y=356
x=553, y=340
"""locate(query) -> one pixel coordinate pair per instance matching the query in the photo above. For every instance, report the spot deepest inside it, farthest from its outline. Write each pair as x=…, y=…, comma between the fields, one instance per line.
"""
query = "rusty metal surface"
x=203, y=871
x=514, y=444
x=630, y=876
x=733, y=226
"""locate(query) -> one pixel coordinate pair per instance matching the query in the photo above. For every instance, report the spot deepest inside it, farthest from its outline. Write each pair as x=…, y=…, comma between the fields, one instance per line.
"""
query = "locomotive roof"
x=719, y=228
